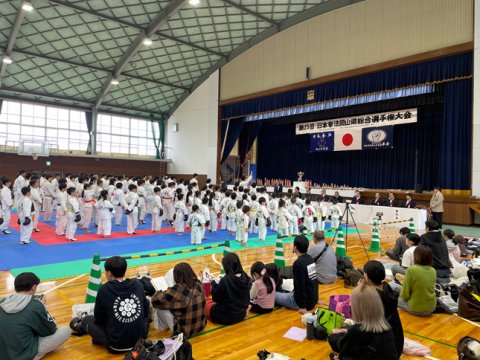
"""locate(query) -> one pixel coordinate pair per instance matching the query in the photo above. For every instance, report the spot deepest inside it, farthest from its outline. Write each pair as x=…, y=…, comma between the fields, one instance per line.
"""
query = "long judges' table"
x=364, y=214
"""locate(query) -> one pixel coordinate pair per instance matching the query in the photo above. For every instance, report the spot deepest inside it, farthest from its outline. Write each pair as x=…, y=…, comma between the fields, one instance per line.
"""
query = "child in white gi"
x=180, y=215
x=253, y=214
x=231, y=214
x=36, y=198
x=224, y=209
x=88, y=195
x=98, y=188
x=104, y=214
x=196, y=222
x=262, y=217
x=131, y=209
x=335, y=211
x=206, y=215
x=243, y=225
x=296, y=213
x=6, y=205
x=167, y=200
x=48, y=198
x=284, y=219
x=19, y=183
x=322, y=210
x=118, y=202
x=142, y=198
x=273, y=210
x=308, y=216
x=157, y=210
x=26, y=216
x=73, y=214
x=214, y=210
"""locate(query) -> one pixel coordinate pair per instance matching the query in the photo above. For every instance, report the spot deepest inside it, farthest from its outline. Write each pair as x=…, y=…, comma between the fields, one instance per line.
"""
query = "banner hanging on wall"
x=352, y=139
x=398, y=117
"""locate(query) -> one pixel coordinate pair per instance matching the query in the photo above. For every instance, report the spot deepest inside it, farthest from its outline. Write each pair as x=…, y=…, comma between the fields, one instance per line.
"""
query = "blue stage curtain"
x=281, y=154
x=247, y=138
x=456, y=158
x=89, y=121
x=232, y=133
x=451, y=67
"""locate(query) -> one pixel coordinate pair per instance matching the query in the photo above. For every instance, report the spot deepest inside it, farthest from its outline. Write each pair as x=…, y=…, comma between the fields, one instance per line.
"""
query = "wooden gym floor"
x=439, y=332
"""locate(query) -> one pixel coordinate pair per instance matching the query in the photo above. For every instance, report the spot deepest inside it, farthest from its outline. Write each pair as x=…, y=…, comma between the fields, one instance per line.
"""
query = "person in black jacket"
x=121, y=310
x=392, y=202
x=278, y=188
x=337, y=197
x=305, y=294
x=434, y=240
x=375, y=276
x=231, y=295
x=377, y=201
x=357, y=199
x=409, y=203
x=371, y=337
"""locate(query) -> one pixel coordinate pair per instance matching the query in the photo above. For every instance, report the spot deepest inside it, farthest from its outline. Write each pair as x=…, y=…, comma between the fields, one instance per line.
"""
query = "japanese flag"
x=348, y=139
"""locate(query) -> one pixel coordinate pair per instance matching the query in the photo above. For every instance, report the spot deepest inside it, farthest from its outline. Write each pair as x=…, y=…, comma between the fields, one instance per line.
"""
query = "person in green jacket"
x=32, y=331
x=418, y=291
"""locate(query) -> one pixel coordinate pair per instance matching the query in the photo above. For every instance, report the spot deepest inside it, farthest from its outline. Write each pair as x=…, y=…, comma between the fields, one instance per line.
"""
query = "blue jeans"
x=286, y=300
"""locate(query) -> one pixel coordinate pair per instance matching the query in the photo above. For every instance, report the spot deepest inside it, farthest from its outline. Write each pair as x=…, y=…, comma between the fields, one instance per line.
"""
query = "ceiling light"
x=27, y=7
x=7, y=60
x=114, y=82
x=147, y=42
x=194, y=2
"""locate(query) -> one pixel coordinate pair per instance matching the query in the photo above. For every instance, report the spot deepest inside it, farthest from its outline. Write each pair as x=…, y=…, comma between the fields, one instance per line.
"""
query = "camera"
x=263, y=354
x=379, y=215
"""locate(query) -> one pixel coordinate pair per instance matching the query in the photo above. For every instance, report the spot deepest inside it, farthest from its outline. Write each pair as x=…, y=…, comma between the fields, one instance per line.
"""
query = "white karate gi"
x=48, y=198
x=273, y=208
x=88, y=205
x=335, y=211
x=284, y=219
x=25, y=211
x=36, y=198
x=296, y=213
x=104, y=208
x=156, y=208
x=308, y=214
x=18, y=184
x=142, y=202
x=224, y=208
x=262, y=216
x=167, y=195
x=242, y=225
x=6, y=207
x=197, y=223
x=180, y=212
x=206, y=216
x=131, y=204
x=61, y=203
x=322, y=211
x=118, y=202
x=213, y=209
x=231, y=220
x=73, y=209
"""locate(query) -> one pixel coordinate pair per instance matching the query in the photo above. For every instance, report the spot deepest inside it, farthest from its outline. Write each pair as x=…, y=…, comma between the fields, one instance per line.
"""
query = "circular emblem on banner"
x=347, y=139
x=376, y=136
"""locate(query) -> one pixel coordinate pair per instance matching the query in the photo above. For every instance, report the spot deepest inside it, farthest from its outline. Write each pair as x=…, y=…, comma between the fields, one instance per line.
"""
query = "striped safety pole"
x=94, y=281
x=279, y=258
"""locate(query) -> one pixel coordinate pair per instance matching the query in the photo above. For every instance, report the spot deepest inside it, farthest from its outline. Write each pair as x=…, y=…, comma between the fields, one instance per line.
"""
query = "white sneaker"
x=6, y=232
x=72, y=239
x=25, y=242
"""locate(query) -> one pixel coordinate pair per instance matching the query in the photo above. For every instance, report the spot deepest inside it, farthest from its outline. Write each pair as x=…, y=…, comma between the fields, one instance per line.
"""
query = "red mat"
x=47, y=236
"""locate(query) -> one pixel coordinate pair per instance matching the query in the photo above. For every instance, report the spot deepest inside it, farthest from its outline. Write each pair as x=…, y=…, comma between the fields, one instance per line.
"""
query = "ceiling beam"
x=157, y=22
x=95, y=68
x=13, y=36
x=250, y=12
x=134, y=26
x=317, y=10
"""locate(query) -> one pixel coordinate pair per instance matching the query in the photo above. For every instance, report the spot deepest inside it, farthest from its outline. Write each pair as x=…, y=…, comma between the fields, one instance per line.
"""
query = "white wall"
x=194, y=147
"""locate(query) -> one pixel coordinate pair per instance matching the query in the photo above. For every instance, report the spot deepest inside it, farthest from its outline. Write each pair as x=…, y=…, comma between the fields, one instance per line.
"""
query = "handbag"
x=351, y=278
x=341, y=304
x=329, y=319
x=469, y=302
x=165, y=349
x=468, y=348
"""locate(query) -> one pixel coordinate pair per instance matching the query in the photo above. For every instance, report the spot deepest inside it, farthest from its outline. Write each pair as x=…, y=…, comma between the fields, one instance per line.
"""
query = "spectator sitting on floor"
x=231, y=295
x=121, y=310
x=407, y=260
x=324, y=258
x=371, y=337
x=400, y=245
x=418, y=291
x=452, y=246
x=375, y=276
x=305, y=294
x=262, y=293
x=28, y=330
x=434, y=240
x=182, y=306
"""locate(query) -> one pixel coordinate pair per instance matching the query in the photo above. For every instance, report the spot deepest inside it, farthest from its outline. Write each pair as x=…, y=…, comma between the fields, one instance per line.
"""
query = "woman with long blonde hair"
x=371, y=336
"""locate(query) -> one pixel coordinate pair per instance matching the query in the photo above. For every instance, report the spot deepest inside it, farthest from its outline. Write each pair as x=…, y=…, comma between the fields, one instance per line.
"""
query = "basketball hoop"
x=34, y=156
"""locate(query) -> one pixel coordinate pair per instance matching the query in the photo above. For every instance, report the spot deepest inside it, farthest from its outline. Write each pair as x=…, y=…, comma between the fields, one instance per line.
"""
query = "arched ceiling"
x=67, y=52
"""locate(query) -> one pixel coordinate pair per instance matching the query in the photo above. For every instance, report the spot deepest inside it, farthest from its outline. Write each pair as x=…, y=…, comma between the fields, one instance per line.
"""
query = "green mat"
x=78, y=267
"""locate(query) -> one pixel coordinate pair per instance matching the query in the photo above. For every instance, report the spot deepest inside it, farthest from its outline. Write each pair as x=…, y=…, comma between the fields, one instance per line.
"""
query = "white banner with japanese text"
x=358, y=122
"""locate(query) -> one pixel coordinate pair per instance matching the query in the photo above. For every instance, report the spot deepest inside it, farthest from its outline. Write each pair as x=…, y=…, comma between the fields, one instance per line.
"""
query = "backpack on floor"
x=468, y=348
x=164, y=349
x=343, y=263
x=469, y=302
x=352, y=276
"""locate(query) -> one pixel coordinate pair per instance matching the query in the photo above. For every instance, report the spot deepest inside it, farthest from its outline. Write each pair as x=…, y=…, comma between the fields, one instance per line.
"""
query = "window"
x=63, y=128
x=125, y=136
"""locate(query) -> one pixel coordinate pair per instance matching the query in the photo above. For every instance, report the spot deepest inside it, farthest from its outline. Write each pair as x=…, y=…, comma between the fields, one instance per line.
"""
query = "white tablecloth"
x=330, y=192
